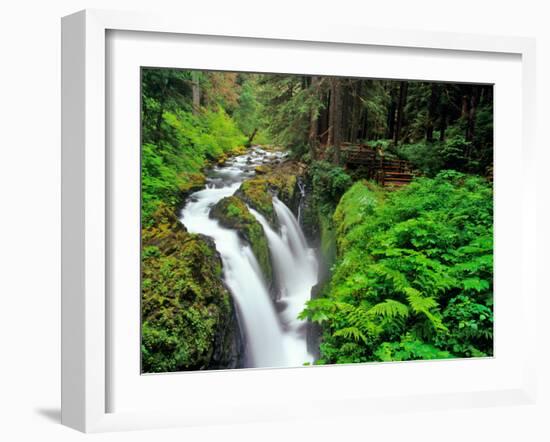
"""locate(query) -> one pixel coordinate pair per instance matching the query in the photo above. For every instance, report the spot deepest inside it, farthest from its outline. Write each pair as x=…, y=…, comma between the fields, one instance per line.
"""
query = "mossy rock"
x=278, y=180
x=232, y=213
x=189, y=320
x=239, y=150
x=256, y=193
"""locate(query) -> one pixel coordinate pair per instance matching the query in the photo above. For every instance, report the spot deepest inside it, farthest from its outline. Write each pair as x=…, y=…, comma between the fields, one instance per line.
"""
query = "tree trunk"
x=391, y=119
x=335, y=129
x=251, y=137
x=391, y=113
x=324, y=121
x=443, y=122
x=464, y=111
x=470, y=128
x=196, y=91
x=314, y=119
x=159, y=121
x=161, y=111
x=365, y=124
x=347, y=108
x=403, y=87
x=356, y=112
x=330, y=130
x=434, y=98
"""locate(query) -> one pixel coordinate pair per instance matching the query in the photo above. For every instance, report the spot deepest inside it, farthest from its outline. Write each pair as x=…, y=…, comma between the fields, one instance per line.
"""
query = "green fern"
x=390, y=308
x=423, y=305
x=351, y=333
x=419, y=303
x=414, y=270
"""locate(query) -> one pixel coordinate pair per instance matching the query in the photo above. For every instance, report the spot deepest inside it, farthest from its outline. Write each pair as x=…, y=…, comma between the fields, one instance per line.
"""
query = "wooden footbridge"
x=386, y=171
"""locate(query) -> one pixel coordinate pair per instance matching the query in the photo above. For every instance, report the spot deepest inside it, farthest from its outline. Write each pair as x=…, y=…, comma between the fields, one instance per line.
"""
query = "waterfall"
x=243, y=277
x=296, y=271
x=275, y=337
x=302, y=188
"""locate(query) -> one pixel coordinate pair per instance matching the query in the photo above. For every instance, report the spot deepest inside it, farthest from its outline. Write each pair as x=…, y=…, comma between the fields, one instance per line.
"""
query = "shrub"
x=173, y=165
x=329, y=183
x=431, y=158
x=413, y=276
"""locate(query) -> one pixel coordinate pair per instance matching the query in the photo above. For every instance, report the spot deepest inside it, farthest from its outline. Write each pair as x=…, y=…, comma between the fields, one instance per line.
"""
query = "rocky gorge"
x=231, y=305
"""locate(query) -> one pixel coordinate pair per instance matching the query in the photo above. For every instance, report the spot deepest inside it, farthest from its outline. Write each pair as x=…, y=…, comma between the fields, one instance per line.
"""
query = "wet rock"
x=232, y=213
x=280, y=180
x=256, y=193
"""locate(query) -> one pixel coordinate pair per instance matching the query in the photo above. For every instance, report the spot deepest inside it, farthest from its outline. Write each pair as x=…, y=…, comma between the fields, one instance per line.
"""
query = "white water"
x=273, y=339
x=302, y=194
x=295, y=266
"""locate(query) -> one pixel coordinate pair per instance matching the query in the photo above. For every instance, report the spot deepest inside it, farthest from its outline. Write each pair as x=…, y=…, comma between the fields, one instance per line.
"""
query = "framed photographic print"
x=270, y=221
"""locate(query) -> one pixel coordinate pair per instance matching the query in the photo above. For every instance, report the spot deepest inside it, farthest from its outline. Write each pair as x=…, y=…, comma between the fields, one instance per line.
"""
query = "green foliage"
x=413, y=275
x=162, y=89
x=173, y=165
x=256, y=193
x=329, y=184
x=188, y=319
x=431, y=158
x=232, y=213
x=250, y=114
x=247, y=111
x=470, y=327
x=219, y=90
x=287, y=104
x=375, y=100
x=390, y=308
x=409, y=349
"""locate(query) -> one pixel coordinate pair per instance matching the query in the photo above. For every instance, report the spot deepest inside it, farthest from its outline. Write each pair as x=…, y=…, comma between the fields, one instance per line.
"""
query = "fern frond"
x=398, y=280
x=390, y=308
x=419, y=303
x=423, y=304
x=351, y=333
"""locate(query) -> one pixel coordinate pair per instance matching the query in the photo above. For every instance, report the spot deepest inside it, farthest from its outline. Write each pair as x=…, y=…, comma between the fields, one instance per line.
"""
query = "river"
x=274, y=335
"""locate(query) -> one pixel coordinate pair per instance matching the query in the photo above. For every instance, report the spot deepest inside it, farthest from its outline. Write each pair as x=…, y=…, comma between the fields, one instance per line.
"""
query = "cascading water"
x=302, y=188
x=273, y=339
x=296, y=270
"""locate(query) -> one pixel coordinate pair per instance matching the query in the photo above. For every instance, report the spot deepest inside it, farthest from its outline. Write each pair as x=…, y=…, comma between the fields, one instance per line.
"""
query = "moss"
x=261, y=170
x=356, y=204
x=188, y=316
x=189, y=182
x=255, y=192
x=239, y=150
x=328, y=239
x=233, y=214
x=279, y=180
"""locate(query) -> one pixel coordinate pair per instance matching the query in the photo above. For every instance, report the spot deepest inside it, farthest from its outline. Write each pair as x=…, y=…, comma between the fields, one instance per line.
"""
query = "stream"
x=274, y=335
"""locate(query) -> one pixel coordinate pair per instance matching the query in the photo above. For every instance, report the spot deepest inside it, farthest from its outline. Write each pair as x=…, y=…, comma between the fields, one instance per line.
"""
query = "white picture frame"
x=86, y=351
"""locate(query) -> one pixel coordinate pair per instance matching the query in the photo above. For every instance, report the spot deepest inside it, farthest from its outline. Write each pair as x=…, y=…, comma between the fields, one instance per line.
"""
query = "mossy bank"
x=189, y=320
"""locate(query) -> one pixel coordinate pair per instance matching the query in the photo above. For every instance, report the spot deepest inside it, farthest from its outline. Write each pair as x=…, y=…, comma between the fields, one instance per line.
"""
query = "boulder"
x=233, y=213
